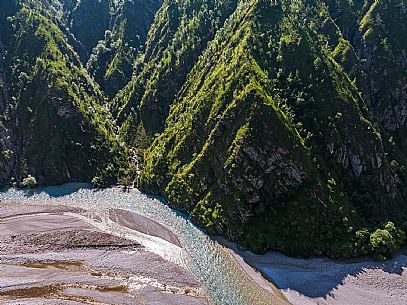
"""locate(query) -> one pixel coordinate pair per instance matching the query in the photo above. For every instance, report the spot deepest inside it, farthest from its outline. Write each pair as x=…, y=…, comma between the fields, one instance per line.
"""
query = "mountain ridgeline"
x=281, y=124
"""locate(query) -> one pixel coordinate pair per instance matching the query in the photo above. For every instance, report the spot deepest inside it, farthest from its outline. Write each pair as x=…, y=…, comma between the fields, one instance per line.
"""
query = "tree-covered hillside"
x=278, y=123
x=56, y=120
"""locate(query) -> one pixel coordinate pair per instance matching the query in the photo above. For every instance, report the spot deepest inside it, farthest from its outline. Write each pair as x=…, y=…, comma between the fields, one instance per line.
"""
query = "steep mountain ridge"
x=231, y=174
x=112, y=60
x=61, y=129
x=180, y=33
x=279, y=124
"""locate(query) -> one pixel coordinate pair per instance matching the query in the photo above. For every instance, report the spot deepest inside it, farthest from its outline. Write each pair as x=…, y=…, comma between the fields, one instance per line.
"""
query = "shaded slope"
x=111, y=63
x=88, y=20
x=375, y=30
x=63, y=132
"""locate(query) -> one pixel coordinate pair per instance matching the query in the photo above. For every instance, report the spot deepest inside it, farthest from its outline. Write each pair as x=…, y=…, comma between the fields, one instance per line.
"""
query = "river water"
x=223, y=277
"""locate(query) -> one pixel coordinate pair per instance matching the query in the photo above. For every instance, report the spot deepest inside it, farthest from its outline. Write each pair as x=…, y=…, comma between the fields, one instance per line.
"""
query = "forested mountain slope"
x=178, y=36
x=270, y=141
x=111, y=62
x=59, y=127
x=278, y=123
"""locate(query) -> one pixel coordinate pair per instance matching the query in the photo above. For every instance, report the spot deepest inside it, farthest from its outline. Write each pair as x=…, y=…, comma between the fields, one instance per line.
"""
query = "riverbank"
x=322, y=281
x=49, y=254
x=161, y=231
x=78, y=233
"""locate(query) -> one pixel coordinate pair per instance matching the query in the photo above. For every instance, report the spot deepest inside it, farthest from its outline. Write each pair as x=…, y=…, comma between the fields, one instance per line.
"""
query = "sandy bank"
x=323, y=281
x=49, y=256
x=143, y=224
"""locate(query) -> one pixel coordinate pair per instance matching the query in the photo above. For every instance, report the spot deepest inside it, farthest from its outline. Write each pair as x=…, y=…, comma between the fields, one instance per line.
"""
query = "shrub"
x=382, y=243
x=385, y=242
x=29, y=181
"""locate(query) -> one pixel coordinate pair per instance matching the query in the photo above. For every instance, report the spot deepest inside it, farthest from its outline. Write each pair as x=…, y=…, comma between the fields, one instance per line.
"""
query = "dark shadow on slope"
x=65, y=189
x=54, y=191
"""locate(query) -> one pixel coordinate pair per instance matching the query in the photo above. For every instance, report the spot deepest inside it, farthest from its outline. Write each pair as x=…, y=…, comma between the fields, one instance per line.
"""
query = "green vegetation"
x=112, y=59
x=279, y=124
x=271, y=138
x=383, y=243
x=57, y=112
x=30, y=182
